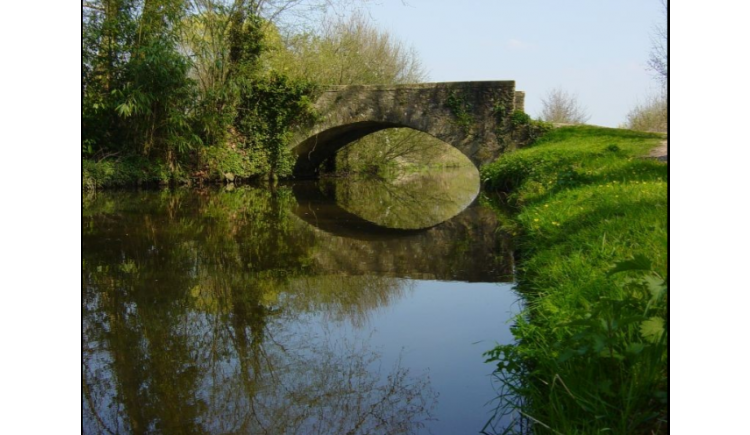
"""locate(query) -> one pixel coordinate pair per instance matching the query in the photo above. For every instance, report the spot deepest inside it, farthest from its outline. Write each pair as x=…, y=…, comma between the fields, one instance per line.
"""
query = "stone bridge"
x=463, y=114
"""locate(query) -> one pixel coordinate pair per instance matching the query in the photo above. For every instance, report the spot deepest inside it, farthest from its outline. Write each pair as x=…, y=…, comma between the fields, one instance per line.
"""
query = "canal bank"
x=591, y=222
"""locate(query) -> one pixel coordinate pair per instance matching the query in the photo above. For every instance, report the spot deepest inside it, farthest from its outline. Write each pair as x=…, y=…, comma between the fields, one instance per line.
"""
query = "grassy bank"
x=127, y=172
x=208, y=165
x=590, y=216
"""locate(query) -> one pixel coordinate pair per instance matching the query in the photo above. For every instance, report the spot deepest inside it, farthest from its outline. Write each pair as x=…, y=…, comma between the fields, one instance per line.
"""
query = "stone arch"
x=464, y=115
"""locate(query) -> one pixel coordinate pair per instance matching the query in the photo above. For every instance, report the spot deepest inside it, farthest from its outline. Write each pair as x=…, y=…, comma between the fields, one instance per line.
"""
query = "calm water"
x=335, y=307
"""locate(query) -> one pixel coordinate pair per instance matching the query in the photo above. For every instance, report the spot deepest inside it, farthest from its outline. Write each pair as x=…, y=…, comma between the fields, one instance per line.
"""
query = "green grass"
x=591, y=351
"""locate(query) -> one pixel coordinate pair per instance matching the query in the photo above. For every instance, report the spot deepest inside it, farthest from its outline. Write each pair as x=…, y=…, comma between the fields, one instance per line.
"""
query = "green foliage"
x=145, y=97
x=527, y=130
x=345, y=51
x=242, y=163
x=518, y=130
x=191, y=83
x=461, y=109
x=591, y=343
x=621, y=323
x=154, y=100
x=584, y=154
x=136, y=91
x=519, y=118
x=246, y=42
x=270, y=107
x=130, y=171
x=499, y=110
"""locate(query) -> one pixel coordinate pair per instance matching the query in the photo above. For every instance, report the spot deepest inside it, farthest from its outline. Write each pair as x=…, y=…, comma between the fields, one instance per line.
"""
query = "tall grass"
x=591, y=221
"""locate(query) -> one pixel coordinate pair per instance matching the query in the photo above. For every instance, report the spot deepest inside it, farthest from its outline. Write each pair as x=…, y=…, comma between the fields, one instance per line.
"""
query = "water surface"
x=322, y=308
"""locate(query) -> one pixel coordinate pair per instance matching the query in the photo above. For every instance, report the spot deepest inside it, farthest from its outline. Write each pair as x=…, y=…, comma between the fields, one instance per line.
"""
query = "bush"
x=130, y=171
x=653, y=115
x=242, y=163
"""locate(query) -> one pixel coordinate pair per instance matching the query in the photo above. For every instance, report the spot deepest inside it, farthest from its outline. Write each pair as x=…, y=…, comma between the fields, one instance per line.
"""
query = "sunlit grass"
x=583, y=199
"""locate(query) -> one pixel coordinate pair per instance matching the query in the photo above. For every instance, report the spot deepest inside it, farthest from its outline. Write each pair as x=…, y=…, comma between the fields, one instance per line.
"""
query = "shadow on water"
x=221, y=311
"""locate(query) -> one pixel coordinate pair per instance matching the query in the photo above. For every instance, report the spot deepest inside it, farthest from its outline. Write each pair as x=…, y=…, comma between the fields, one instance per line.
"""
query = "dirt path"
x=661, y=152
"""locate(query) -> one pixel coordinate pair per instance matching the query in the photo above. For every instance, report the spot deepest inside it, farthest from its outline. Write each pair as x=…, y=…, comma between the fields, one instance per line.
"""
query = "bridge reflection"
x=323, y=212
x=464, y=247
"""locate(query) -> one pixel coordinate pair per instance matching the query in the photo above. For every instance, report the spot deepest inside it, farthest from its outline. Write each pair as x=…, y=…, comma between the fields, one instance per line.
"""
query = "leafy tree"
x=136, y=92
x=345, y=52
x=350, y=51
x=197, y=83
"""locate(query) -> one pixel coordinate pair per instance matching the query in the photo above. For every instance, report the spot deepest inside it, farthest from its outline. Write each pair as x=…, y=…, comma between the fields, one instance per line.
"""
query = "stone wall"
x=520, y=101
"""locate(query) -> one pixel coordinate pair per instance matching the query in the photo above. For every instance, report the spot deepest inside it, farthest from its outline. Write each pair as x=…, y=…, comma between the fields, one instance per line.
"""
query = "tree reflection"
x=201, y=315
x=411, y=201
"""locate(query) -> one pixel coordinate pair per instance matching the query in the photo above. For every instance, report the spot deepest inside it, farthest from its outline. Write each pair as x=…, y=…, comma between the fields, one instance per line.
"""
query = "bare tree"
x=658, y=60
x=651, y=115
x=562, y=107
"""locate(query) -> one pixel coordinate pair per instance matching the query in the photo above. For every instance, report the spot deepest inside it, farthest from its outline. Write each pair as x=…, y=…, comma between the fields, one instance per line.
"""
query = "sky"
x=595, y=49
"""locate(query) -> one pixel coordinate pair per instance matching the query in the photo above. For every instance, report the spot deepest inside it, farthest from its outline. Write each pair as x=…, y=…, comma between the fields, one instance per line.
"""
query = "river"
x=329, y=307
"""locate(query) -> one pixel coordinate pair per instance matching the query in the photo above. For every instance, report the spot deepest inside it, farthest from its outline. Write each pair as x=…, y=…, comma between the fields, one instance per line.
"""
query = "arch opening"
x=412, y=180
x=399, y=178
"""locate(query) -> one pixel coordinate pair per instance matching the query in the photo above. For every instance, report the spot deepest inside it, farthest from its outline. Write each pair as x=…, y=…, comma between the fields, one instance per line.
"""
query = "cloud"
x=518, y=45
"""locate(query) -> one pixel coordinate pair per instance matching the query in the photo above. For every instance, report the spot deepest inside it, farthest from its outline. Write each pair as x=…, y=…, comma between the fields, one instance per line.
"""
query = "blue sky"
x=596, y=49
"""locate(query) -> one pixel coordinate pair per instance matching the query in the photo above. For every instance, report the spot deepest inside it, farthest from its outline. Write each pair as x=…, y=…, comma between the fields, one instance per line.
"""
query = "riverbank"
x=136, y=171
x=109, y=173
x=590, y=215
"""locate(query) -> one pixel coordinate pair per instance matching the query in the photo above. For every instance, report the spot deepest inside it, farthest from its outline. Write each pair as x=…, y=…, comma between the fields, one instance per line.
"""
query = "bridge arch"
x=462, y=114
x=315, y=150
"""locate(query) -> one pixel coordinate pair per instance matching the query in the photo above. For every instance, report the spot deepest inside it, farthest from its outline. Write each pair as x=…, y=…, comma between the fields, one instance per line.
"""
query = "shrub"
x=652, y=115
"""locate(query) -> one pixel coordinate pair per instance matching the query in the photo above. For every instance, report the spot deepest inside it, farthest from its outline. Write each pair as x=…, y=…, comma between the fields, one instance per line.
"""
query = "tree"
x=184, y=84
x=658, y=60
x=348, y=51
x=562, y=107
x=136, y=91
x=653, y=114
x=345, y=52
